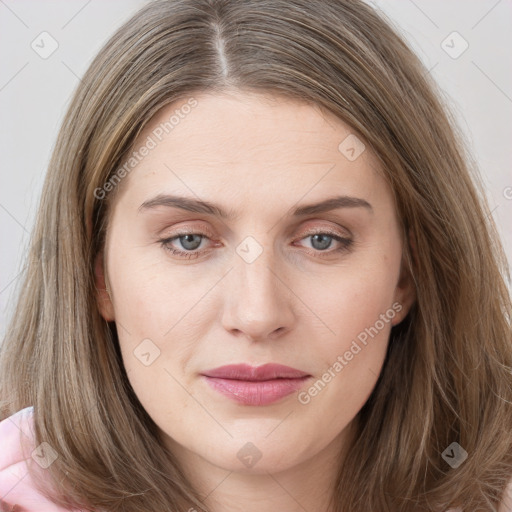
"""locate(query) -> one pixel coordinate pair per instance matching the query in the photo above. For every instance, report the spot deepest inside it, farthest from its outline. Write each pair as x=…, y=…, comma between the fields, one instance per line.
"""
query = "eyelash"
x=346, y=244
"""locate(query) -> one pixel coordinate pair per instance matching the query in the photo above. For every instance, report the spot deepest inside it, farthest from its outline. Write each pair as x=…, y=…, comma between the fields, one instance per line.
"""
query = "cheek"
x=353, y=298
x=157, y=309
x=148, y=295
x=356, y=308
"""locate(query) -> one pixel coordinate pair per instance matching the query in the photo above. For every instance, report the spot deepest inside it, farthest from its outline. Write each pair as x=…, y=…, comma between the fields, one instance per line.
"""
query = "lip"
x=260, y=385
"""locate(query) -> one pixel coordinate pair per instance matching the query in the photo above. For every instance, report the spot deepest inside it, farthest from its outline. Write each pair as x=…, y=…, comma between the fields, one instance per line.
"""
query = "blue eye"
x=324, y=240
x=191, y=241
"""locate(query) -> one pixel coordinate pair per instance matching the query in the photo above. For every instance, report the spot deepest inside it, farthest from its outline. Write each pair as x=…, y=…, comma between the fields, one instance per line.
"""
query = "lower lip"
x=256, y=393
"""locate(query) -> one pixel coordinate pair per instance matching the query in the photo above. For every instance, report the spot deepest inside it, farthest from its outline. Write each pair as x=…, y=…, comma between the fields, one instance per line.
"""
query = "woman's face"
x=282, y=276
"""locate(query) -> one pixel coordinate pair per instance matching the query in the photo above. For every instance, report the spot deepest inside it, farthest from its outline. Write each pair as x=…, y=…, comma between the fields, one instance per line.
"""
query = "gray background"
x=35, y=91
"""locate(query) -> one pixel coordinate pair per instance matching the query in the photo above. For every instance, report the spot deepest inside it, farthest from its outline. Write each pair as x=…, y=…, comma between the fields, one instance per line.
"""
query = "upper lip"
x=255, y=373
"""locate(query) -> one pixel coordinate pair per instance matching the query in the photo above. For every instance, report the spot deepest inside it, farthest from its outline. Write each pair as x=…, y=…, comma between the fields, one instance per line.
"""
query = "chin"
x=255, y=457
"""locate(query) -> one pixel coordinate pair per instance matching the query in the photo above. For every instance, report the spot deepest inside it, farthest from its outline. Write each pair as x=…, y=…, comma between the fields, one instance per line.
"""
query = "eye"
x=190, y=243
x=323, y=240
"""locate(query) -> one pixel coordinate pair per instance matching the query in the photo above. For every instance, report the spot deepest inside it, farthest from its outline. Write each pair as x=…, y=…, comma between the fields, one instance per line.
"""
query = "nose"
x=258, y=301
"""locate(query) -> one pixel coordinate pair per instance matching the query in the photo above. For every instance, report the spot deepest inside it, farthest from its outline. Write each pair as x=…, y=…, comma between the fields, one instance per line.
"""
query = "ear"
x=405, y=291
x=103, y=297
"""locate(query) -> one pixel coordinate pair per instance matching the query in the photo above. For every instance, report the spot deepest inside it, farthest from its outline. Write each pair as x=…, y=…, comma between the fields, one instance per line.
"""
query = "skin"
x=296, y=304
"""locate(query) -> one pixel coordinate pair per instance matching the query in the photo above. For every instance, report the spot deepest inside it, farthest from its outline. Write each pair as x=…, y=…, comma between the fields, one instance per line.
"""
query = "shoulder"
x=17, y=453
x=16, y=436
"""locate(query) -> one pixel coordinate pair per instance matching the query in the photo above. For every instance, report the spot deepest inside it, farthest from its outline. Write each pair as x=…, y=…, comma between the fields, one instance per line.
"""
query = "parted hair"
x=447, y=376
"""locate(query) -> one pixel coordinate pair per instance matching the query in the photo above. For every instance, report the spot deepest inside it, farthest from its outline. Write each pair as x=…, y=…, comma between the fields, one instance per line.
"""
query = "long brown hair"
x=448, y=371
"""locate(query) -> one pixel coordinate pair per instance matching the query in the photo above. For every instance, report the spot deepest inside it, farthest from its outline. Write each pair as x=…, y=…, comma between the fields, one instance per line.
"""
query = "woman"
x=262, y=278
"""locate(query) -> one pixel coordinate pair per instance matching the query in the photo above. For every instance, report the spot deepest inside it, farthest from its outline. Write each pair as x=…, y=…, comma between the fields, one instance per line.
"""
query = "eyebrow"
x=197, y=206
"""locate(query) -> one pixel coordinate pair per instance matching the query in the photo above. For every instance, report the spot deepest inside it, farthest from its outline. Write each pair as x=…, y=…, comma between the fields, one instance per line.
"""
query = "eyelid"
x=325, y=230
x=188, y=230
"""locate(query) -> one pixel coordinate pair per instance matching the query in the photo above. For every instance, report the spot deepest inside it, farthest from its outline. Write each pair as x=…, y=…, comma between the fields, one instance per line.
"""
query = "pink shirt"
x=18, y=449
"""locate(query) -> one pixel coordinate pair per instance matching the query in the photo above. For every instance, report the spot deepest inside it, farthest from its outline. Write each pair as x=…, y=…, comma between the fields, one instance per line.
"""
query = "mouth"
x=261, y=385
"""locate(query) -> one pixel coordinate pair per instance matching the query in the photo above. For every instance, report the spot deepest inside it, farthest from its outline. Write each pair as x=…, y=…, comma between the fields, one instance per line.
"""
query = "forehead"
x=250, y=145
x=244, y=124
